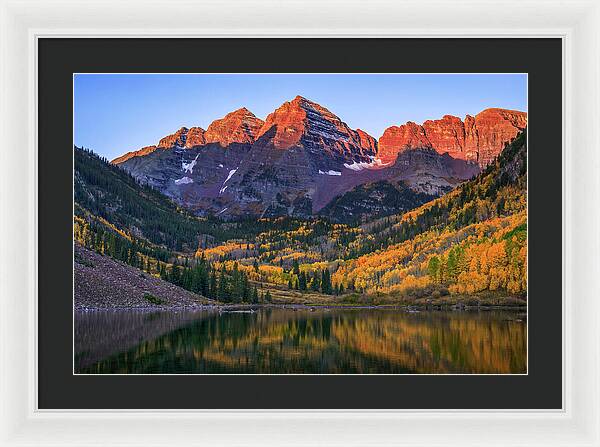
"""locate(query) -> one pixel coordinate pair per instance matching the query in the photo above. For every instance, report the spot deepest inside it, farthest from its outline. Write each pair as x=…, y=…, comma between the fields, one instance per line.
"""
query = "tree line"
x=197, y=275
x=318, y=281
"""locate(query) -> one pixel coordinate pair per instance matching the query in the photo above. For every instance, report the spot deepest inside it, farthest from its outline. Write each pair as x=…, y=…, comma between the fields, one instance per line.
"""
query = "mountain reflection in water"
x=280, y=341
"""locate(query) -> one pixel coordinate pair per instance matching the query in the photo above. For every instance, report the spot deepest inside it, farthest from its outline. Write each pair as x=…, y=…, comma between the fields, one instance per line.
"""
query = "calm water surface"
x=325, y=341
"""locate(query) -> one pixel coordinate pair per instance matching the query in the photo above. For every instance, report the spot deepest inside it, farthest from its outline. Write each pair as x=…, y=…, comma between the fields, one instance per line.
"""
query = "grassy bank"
x=491, y=299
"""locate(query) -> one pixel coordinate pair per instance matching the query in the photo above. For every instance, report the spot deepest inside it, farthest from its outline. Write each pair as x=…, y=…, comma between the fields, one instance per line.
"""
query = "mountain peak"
x=178, y=138
x=299, y=99
x=239, y=126
x=304, y=123
x=184, y=137
x=297, y=102
x=289, y=123
x=242, y=111
x=308, y=105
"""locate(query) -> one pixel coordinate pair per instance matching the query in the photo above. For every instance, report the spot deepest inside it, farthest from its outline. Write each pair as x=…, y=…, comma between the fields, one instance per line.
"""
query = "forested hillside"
x=473, y=239
x=118, y=217
x=373, y=200
x=109, y=195
x=470, y=241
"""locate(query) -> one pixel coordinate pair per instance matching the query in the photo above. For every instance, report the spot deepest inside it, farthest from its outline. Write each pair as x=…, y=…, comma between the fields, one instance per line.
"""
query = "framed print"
x=316, y=237
x=287, y=247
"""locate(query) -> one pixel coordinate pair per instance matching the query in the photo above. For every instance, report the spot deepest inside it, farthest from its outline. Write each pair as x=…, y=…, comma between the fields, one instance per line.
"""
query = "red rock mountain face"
x=177, y=139
x=240, y=126
x=143, y=151
x=479, y=139
x=301, y=122
x=367, y=141
x=195, y=137
x=184, y=137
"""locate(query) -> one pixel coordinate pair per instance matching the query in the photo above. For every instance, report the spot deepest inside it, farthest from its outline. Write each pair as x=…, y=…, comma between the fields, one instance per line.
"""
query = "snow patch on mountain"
x=330, y=172
x=189, y=167
x=223, y=186
x=233, y=171
x=359, y=166
x=183, y=181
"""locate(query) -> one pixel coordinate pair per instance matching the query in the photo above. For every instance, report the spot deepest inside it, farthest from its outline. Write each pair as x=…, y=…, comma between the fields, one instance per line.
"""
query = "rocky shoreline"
x=104, y=283
x=224, y=308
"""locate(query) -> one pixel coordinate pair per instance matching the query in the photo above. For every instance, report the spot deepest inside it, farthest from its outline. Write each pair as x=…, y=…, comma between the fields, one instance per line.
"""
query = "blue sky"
x=117, y=113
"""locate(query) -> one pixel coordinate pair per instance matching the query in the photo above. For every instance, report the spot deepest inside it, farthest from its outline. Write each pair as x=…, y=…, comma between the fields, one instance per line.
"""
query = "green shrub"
x=153, y=299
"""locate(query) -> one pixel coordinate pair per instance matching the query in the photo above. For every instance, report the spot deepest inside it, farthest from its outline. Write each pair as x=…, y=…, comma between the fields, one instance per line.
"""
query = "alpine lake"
x=300, y=340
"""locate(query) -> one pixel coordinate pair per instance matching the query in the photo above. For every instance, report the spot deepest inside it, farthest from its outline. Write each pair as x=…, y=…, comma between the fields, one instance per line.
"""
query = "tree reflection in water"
x=280, y=341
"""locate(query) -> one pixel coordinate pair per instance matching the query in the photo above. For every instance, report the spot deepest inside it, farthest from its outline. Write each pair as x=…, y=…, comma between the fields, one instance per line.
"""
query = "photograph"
x=300, y=223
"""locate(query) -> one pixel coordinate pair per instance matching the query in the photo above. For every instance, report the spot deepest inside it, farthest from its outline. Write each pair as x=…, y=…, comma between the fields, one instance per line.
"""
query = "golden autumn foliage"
x=228, y=248
x=485, y=256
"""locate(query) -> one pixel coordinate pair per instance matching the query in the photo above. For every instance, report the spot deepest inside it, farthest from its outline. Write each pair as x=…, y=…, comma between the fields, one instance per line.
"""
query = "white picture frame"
x=577, y=23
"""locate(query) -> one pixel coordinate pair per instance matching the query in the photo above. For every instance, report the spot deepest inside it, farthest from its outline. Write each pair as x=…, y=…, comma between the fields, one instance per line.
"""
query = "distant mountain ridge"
x=240, y=126
x=479, y=139
x=302, y=156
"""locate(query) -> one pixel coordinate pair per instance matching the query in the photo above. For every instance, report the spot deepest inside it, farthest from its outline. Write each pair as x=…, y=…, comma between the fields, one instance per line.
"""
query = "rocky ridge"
x=478, y=139
x=302, y=156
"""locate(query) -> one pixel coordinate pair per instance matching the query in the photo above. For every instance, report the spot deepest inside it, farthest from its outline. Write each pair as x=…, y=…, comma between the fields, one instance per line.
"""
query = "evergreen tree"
x=212, y=287
x=302, y=281
x=246, y=293
x=315, y=284
x=203, y=285
x=222, y=288
x=236, y=284
x=326, y=282
x=175, y=274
